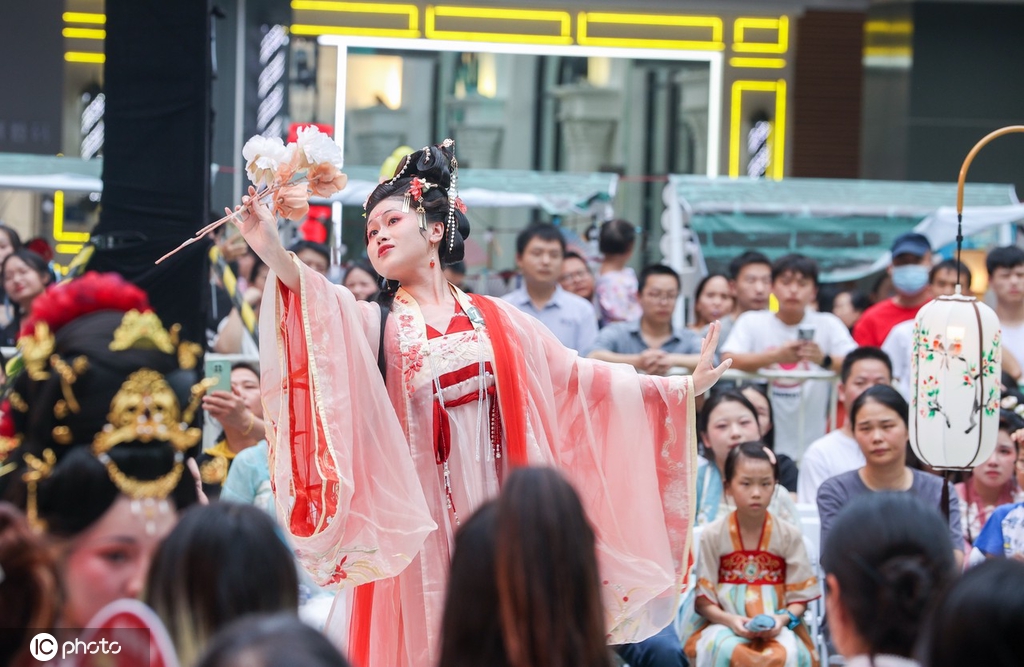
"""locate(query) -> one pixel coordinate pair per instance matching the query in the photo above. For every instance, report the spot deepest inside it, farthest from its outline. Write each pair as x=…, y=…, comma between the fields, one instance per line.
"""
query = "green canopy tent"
x=846, y=225
x=556, y=193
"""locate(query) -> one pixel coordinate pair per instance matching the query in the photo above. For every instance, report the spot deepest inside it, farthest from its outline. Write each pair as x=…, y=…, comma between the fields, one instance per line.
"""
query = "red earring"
x=431, y=262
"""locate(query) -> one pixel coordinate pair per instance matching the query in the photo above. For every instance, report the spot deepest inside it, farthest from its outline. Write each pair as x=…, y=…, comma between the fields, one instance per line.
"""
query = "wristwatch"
x=826, y=362
x=794, y=620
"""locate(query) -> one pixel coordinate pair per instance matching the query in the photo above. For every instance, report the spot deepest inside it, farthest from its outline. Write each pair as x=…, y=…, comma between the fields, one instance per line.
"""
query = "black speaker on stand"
x=156, y=163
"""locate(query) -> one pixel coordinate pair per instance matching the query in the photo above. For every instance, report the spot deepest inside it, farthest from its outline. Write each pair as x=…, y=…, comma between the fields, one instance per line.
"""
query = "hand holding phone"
x=805, y=333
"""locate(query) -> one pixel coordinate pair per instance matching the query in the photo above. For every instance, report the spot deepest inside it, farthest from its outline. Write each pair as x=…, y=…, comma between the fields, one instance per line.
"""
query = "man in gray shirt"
x=651, y=344
x=540, y=249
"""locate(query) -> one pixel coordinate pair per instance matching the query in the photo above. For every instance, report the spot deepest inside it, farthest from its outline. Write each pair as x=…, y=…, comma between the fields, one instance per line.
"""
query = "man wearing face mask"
x=911, y=261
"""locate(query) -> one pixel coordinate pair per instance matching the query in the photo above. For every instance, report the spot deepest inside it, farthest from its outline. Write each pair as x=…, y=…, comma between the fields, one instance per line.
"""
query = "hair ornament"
x=453, y=195
x=17, y=402
x=69, y=374
x=141, y=331
x=38, y=469
x=36, y=350
x=143, y=410
x=771, y=456
x=416, y=189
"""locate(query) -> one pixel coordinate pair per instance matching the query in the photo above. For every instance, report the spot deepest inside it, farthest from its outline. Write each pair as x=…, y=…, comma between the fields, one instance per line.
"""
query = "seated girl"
x=754, y=578
x=726, y=419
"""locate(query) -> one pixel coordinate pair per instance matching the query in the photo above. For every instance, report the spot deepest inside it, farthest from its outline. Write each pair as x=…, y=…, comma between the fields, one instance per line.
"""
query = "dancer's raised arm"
x=258, y=224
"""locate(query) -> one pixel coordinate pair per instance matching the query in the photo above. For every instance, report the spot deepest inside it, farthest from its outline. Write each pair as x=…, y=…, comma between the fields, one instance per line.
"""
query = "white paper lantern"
x=957, y=363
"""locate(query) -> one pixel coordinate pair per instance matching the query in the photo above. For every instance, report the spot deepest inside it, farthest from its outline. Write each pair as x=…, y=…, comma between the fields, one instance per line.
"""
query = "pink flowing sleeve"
x=628, y=444
x=343, y=479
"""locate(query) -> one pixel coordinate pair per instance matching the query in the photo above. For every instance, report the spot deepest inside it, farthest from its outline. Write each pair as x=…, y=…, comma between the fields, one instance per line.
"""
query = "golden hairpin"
x=38, y=470
x=141, y=331
x=36, y=349
x=17, y=402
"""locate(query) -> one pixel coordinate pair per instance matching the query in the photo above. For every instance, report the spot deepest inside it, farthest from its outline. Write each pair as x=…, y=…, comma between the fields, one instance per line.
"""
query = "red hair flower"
x=90, y=293
x=416, y=189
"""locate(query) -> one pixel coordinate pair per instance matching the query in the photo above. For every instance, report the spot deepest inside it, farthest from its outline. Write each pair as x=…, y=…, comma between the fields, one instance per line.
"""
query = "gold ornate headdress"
x=144, y=410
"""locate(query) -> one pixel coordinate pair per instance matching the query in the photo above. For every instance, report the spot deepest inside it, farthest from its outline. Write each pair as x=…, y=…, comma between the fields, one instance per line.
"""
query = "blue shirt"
x=1003, y=534
x=569, y=317
x=625, y=338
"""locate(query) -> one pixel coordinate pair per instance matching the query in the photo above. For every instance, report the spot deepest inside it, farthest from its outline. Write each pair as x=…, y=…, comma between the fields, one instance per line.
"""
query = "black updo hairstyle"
x=892, y=558
x=754, y=449
x=978, y=621
x=78, y=490
x=434, y=164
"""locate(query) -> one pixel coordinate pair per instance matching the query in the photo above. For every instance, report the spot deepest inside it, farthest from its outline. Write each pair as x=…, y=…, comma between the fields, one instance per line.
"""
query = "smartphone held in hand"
x=219, y=370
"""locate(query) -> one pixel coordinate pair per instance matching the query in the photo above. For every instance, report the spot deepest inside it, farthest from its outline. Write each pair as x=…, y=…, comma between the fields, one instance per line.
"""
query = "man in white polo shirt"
x=796, y=338
x=838, y=452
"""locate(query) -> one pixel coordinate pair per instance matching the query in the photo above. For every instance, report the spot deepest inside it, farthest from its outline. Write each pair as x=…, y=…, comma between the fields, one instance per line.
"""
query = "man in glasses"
x=651, y=344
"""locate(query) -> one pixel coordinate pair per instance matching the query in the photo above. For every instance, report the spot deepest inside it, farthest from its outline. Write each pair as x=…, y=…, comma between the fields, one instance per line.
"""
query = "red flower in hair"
x=91, y=293
x=416, y=189
x=461, y=205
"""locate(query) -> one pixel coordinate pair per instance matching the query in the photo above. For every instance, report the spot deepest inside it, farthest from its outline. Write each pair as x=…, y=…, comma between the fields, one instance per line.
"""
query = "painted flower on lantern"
x=929, y=398
x=992, y=404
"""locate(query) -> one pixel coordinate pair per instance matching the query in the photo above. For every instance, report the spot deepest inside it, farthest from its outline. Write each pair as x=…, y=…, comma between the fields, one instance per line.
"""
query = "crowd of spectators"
x=524, y=588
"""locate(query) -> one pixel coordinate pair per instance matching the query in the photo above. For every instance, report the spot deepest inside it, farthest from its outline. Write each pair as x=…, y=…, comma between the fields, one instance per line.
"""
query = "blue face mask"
x=910, y=280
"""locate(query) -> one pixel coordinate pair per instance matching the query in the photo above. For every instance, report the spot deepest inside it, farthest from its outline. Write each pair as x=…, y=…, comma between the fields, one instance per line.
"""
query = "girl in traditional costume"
x=754, y=579
x=390, y=423
x=727, y=419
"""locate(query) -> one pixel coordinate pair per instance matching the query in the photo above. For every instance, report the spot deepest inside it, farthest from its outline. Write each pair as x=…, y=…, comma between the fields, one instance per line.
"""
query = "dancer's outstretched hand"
x=706, y=374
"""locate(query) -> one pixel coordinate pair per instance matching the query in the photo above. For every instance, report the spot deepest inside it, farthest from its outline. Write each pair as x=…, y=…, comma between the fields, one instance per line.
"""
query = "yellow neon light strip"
x=781, y=25
x=317, y=30
x=779, y=125
x=84, y=33
x=888, y=52
x=411, y=11
x=58, y=222
x=890, y=27
x=84, y=17
x=84, y=57
x=767, y=63
x=68, y=248
x=779, y=147
x=712, y=22
x=562, y=19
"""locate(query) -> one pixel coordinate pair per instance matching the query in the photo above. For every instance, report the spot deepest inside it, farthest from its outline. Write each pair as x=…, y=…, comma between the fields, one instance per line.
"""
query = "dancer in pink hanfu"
x=372, y=474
